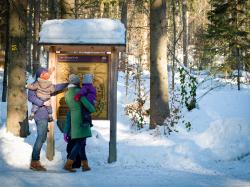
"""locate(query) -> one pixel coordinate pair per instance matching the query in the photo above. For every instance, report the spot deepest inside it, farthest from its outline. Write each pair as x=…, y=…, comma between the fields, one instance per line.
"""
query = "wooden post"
x=50, y=151
x=113, y=105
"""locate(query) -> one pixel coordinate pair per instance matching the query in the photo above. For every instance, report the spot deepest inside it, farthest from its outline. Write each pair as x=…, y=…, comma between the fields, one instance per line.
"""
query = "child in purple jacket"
x=89, y=91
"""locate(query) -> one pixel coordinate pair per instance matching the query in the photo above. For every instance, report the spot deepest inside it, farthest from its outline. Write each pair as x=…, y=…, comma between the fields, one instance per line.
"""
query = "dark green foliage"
x=188, y=89
x=188, y=125
x=228, y=30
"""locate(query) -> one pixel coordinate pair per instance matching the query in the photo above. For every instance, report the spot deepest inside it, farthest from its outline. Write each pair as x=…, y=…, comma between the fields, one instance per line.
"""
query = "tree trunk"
x=238, y=66
x=159, y=101
x=106, y=11
x=101, y=7
x=7, y=49
x=124, y=20
x=185, y=33
x=36, y=28
x=66, y=9
x=29, y=37
x=17, y=122
x=52, y=9
x=174, y=42
x=124, y=13
x=76, y=9
x=235, y=41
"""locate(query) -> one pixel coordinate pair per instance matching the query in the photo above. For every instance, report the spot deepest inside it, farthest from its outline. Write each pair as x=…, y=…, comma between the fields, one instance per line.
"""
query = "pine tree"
x=229, y=32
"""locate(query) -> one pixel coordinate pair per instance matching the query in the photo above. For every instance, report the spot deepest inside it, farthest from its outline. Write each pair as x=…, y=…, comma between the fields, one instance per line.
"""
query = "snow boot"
x=68, y=166
x=85, y=166
x=36, y=166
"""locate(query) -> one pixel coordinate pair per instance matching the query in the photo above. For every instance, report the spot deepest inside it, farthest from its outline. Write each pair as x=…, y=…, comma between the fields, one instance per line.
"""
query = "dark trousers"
x=42, y=129
x=70, y=145
x=78, y=149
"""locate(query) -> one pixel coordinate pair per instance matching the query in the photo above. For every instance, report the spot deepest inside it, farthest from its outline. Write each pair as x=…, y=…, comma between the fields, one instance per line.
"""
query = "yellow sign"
x=81, y=64
x=13, y=47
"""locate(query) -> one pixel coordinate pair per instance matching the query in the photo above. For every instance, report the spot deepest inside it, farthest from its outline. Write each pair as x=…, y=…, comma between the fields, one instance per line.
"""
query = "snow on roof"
x=82, y=31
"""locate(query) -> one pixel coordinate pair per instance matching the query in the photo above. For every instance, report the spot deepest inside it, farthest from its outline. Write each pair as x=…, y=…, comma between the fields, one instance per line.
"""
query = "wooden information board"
x=80, y=64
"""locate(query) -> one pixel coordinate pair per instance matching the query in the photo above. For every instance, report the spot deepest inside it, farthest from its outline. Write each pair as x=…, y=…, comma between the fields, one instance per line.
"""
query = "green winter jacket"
x=78, y=129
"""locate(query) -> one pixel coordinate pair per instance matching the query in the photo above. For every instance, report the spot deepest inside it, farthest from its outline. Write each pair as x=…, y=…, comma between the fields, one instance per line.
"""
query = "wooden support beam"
x=113, y=105
x=50, y=152
x=83, y=48
x=78, y=48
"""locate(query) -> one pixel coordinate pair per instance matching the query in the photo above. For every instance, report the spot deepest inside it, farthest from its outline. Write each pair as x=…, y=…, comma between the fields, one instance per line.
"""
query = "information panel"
x=79, y=65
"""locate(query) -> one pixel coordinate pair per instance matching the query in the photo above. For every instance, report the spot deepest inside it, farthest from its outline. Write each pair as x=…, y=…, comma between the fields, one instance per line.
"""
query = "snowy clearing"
x=215, y=152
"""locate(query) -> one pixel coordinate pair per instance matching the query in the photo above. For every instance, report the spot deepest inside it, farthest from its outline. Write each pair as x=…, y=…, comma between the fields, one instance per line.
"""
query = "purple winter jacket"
x=42, y=112
x=89, y=91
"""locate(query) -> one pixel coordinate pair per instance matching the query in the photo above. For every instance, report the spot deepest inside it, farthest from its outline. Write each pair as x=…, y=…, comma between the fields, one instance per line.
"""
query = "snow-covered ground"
x=214, y=153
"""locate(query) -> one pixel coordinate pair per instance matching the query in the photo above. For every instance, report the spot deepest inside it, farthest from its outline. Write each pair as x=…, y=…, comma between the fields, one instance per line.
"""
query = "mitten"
x=77, y=97
x=66, y=138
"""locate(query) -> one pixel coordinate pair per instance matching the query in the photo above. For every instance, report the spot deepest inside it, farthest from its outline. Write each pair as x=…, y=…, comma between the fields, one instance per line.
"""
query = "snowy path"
x=102, y=177
x=122, y=177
